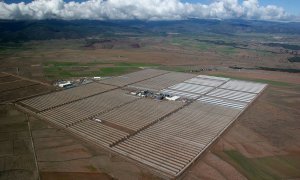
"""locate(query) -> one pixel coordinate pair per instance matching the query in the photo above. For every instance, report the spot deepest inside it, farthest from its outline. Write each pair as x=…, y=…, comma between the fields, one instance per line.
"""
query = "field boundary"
x=33, y=147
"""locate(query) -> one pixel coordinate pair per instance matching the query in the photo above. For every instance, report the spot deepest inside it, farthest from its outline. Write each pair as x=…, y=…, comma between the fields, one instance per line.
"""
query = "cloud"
x=140, y=9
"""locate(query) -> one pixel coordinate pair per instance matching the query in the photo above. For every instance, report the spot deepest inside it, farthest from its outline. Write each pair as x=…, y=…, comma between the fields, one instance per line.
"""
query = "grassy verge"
x=226, y=50
x=190, y=43
x=246, y=166
x=173, y=68
x=111, y=71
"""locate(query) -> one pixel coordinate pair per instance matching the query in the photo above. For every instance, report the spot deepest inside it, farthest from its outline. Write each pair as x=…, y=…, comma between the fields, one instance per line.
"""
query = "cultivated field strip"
x=97, y=132
x=54, y=99
x=205, y=81
x=222, y=102
x=3, y=75
x=133, y=77
x=140, y=113
x=68, y=114
x=232, y=95
x=7, y=78
x=171, y=144
x=21, y=93
x=243, y=86
x=162, y=81
x=14, y=88
x=8, y=86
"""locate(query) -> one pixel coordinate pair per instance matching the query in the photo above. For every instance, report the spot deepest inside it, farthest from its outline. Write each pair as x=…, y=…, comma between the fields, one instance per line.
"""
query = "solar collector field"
x=205, y=81
x=133, y=77
x=70, y=113
x=181, y=94
x=163, y=81
x=164, y=135
x=97, y=133
x=140, y=113
x=222, y=102
x=54, y=99
x=195, y=87
x=244, y=86
x=180, y=136
x=232, y=95
x=192, y=88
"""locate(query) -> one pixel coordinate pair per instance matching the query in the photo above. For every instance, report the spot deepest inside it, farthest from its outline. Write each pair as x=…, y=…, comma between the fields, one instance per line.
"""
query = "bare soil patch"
x=16, y=152
x=73, y=176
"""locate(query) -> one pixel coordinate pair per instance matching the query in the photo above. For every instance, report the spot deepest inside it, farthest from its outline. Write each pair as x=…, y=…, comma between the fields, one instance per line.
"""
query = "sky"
x=291, y=6
x=272, y=10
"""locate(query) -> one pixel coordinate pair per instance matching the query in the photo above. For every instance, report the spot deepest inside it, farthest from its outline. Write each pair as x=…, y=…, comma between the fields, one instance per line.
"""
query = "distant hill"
x=16, y=31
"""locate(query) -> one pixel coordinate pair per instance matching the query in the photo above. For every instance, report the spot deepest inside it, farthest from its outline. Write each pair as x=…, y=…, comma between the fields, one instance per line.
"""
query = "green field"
x=274, y=167
x=56, y=70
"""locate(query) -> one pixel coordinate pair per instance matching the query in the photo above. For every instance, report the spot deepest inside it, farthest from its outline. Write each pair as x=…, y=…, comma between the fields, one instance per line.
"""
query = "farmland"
x=62, y=59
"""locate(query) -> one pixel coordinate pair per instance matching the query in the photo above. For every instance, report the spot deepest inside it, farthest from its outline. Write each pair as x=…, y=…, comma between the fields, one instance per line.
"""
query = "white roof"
x=173, y=98
x=62, y=84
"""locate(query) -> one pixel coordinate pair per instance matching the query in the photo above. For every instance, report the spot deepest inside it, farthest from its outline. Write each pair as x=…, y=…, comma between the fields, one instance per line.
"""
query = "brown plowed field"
x=73, y=176
x=14, y=87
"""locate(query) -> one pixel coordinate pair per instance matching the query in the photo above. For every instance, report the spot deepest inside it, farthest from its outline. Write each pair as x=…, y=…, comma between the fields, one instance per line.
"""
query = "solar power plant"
x=165, y=136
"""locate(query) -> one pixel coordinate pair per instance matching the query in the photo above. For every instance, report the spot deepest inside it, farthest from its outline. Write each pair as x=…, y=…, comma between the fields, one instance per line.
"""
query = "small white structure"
x=97, y=78
x=64, y=84
x=98, y=120
x=173, y=98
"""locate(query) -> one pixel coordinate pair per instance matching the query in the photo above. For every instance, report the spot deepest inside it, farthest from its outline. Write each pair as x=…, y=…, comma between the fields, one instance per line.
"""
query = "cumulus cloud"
x=140, y=9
